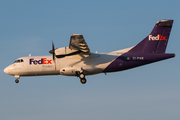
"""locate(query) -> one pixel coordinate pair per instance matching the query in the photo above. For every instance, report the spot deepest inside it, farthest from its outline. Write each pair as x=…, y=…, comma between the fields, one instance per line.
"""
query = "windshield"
x=19, y=60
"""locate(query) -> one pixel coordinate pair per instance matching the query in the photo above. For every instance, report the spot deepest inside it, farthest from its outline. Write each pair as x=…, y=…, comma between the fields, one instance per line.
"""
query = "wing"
x=77, y=42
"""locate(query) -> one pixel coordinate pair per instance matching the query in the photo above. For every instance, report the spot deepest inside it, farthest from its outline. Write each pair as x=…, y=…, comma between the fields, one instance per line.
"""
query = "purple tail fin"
x=157, y=40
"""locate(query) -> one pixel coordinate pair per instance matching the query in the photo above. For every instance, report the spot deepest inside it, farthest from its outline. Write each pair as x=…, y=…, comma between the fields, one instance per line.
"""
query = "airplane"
x=77, y=59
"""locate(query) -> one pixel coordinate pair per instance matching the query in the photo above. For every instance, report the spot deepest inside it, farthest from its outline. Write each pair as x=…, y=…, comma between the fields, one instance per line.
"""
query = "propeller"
x=53, y=50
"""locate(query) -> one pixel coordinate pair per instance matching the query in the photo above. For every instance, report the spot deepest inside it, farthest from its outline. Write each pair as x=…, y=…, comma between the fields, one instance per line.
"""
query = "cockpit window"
x=19, y=60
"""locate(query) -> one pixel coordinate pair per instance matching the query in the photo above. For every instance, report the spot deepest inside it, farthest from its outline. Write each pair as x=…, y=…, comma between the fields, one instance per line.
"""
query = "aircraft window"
x=19, y=60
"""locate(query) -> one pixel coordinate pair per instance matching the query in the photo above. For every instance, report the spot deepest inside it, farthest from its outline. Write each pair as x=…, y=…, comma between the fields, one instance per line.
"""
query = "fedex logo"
x=41, y=61
x=158, y=37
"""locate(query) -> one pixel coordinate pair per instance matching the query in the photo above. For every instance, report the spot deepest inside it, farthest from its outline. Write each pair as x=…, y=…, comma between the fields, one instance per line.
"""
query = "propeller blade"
x=53, y=50
x=52, y=46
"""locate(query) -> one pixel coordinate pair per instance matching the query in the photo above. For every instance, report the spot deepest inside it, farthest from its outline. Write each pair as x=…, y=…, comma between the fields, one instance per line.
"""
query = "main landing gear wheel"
x=16, y=81
x=81, y=76
x=83, y=80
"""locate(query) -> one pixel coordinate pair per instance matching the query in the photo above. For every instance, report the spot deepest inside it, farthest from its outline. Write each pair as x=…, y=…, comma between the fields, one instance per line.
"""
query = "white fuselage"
x=45, y=65
x=77, y=60
x=69, y=65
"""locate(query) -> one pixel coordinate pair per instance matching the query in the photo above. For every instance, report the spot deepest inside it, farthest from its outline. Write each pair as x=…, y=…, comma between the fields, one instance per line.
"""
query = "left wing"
x=77, y=42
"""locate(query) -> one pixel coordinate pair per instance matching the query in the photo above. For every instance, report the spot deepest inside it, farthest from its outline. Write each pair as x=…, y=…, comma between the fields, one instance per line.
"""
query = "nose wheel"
x=16, y=81
x=17, y=77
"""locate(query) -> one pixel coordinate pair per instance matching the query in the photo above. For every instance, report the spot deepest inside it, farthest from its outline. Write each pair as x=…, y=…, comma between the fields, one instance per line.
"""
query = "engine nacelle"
x=64, y=51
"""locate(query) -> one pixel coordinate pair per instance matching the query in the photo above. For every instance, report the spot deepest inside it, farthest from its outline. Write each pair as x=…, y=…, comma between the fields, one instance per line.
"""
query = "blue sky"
x=144, y=93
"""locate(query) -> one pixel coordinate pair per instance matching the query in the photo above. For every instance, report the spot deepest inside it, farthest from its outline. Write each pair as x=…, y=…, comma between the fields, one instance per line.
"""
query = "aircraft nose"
x=6, y=70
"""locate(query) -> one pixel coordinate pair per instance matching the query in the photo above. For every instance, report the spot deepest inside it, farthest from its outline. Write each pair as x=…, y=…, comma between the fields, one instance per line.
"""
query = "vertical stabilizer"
x=157, y=40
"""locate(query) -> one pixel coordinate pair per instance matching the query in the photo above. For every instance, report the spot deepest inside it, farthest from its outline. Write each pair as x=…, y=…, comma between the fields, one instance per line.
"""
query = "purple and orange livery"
x=41, y=61
x=150, y=49
x=77, y=60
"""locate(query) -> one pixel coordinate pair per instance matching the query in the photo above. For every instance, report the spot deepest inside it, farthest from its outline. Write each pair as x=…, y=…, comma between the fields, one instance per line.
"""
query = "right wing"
x=77, y=42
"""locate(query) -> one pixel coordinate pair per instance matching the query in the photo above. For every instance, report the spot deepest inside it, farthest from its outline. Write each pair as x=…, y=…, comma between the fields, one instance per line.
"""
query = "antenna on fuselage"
x=29, y=55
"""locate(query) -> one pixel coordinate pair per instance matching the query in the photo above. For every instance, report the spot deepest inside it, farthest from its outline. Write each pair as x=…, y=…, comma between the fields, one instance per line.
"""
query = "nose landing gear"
x=17, y=77
x=16, y=81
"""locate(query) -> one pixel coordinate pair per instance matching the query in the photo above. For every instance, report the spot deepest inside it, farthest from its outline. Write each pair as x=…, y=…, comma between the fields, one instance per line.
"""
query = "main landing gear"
x=82, y=77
